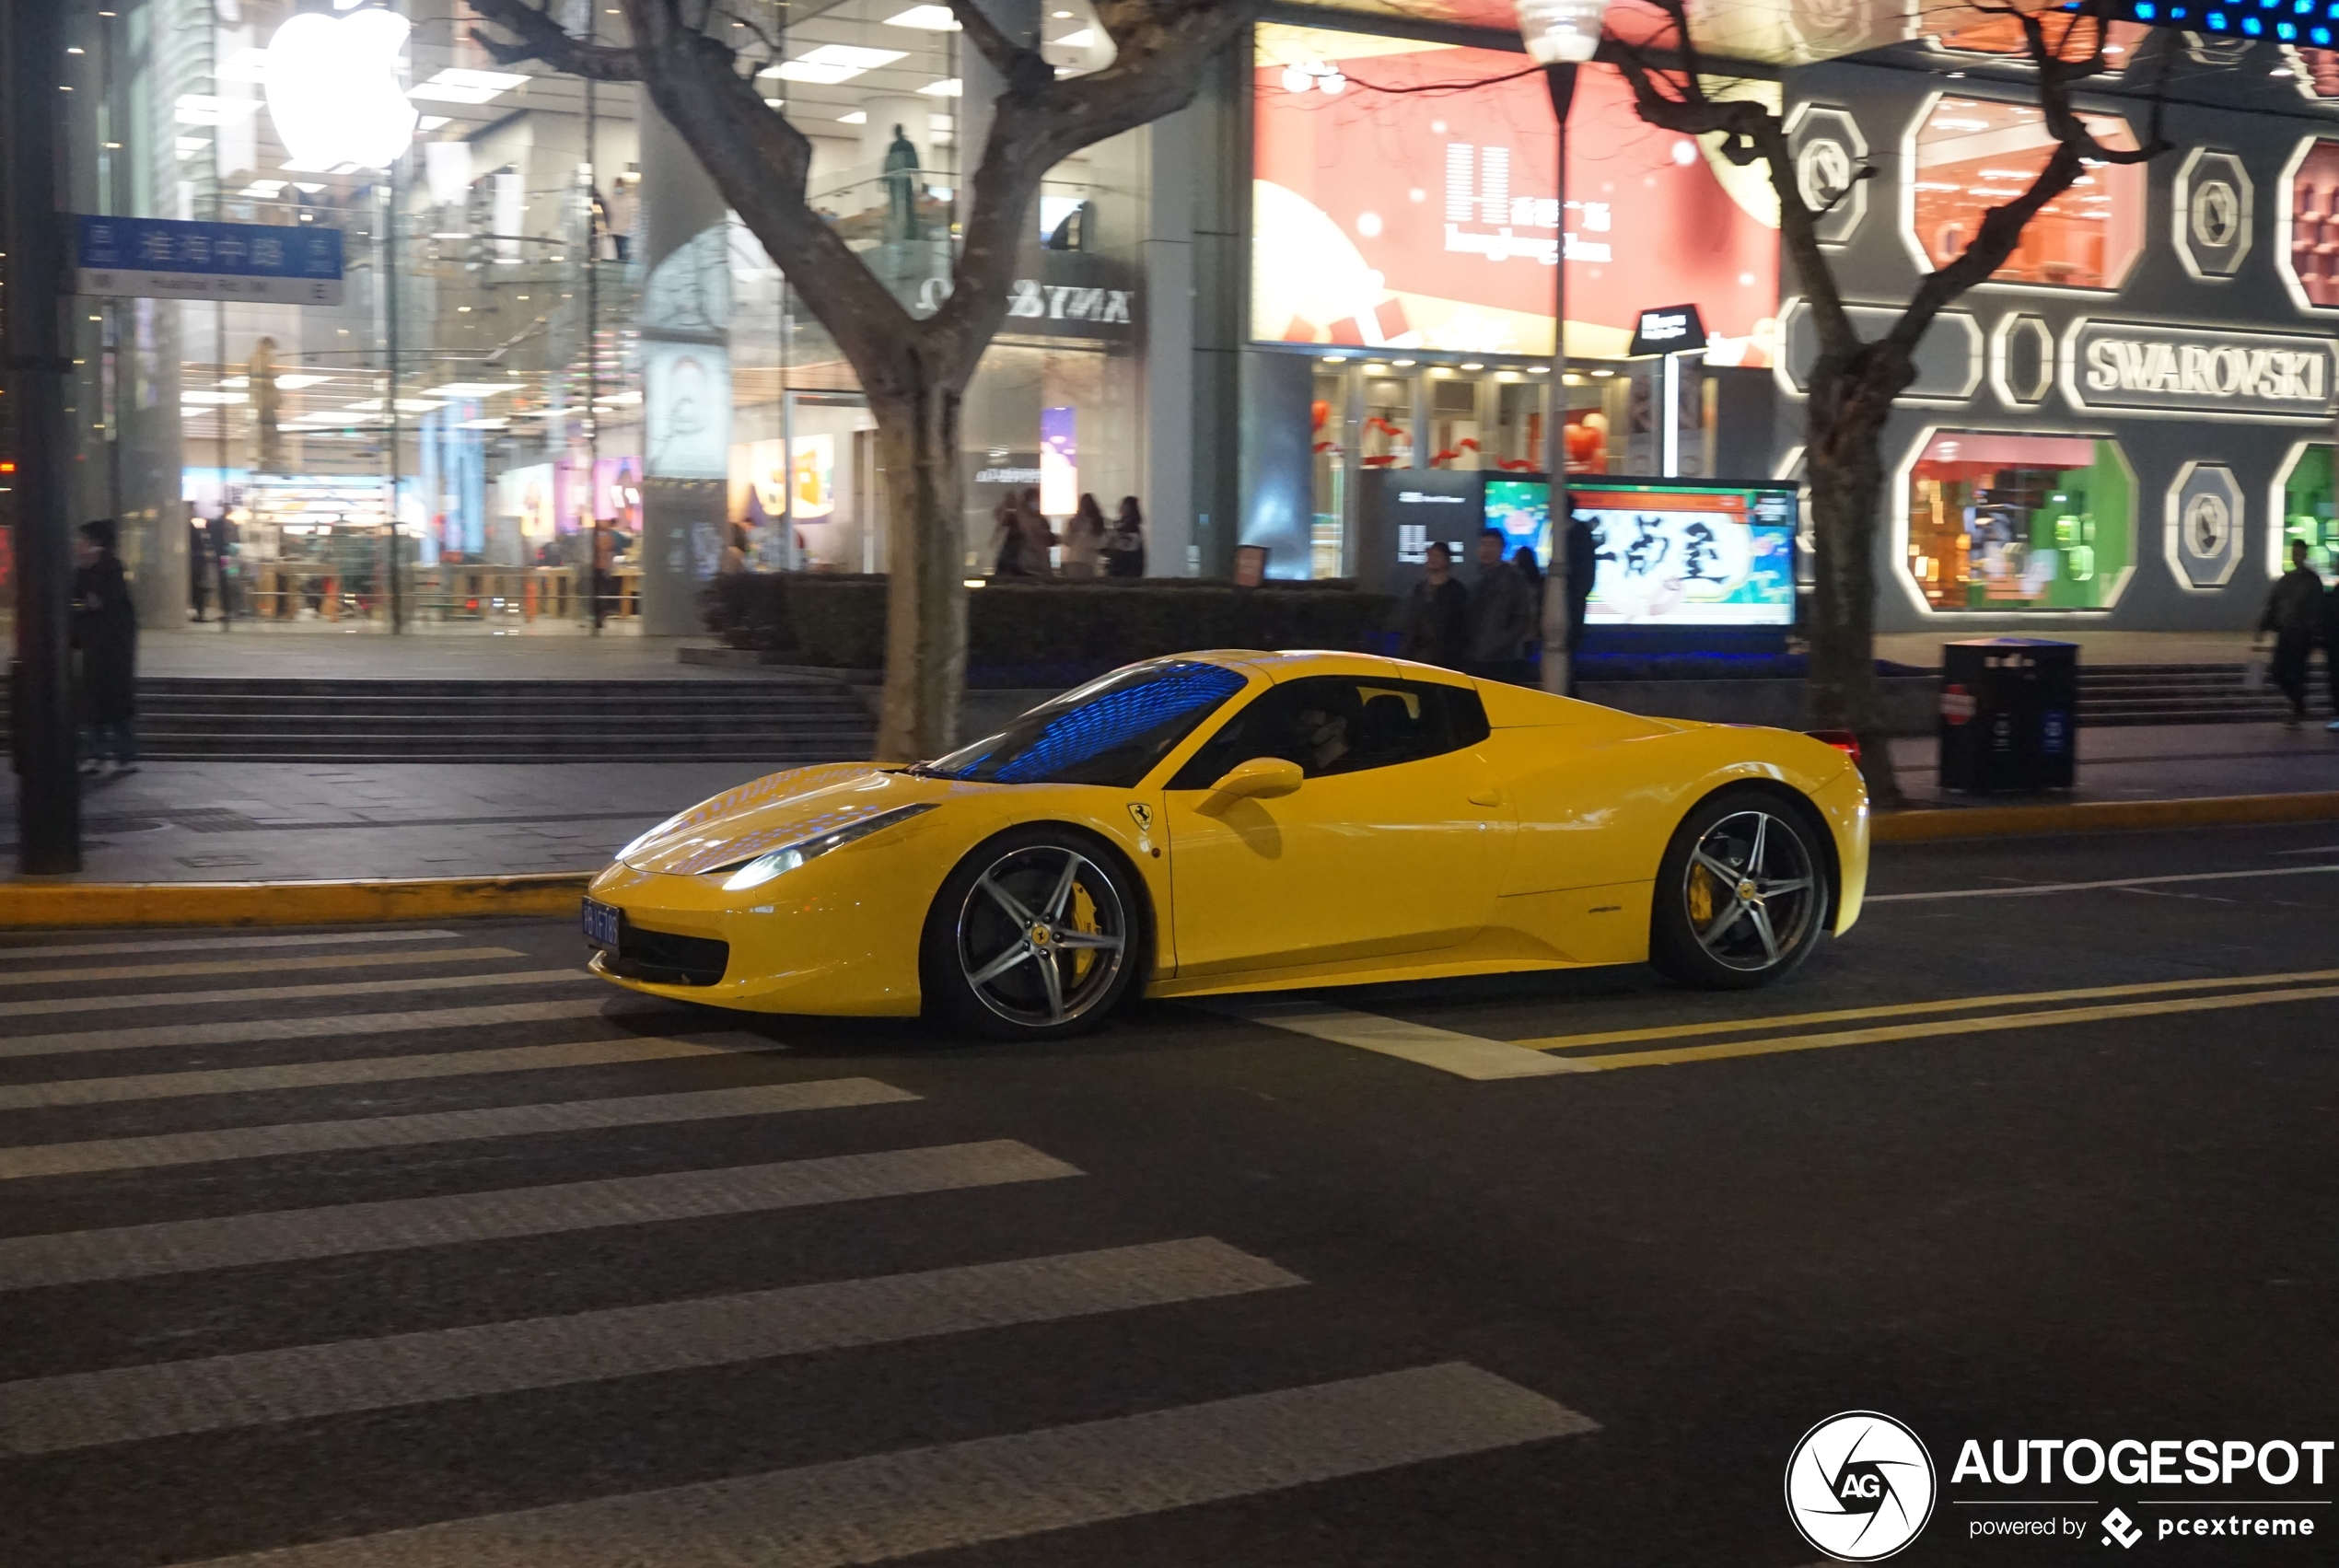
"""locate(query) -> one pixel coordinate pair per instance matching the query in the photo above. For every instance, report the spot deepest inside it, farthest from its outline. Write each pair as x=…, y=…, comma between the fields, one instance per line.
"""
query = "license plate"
x=602, y=924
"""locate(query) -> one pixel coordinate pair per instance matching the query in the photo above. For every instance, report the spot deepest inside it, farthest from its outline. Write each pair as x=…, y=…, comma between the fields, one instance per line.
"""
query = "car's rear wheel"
x=1741, y=893
x=1034, y=935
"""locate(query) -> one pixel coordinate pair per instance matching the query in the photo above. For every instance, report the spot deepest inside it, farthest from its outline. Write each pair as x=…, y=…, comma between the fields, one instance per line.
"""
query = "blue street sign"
x=166, y=259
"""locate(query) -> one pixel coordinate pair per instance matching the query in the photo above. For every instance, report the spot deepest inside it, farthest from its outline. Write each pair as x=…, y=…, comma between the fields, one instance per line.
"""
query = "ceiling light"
x=948, y=87
x=834, y=63
x=1401, y=363
x=1472, y=365
x=931, y=18
x=213, y=399
x=294, y=383
x=938, y=122
x=458, y=84
x=858, y=117
x=262, y=188
x=1080, y=40
x=431, y=123
x=472, y=388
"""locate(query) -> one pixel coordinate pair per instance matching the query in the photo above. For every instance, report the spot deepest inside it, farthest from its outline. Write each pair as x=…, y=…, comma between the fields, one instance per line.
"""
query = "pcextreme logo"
x=1859, y=1486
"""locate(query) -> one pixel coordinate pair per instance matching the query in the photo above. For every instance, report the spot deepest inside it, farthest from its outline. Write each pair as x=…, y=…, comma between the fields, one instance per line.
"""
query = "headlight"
x=764, y=867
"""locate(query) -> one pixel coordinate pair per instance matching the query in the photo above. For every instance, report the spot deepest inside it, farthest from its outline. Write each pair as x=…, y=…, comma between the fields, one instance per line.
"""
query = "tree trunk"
x=925, y=562
x=1845, y=453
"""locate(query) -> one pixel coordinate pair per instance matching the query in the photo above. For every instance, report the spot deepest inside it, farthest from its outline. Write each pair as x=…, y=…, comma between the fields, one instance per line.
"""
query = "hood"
x=772, y=813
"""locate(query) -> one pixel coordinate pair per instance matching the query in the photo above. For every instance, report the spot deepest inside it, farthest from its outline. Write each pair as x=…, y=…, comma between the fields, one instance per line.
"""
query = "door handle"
x=1488, y=796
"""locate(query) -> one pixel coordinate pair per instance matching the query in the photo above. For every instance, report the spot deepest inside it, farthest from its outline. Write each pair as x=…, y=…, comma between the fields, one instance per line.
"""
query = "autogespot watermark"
x=1860, y=1486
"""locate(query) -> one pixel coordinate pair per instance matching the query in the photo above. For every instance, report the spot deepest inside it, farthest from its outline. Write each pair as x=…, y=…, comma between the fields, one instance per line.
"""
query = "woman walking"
x=105, y=628
x=1084, y=539
x=1125, y=547
x=1034, y=537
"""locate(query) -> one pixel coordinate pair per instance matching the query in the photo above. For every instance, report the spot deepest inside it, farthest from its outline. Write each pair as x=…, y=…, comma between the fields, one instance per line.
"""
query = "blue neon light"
x=2144, y=9
x=2284, y=31
x=2320, y=35
x=2251, y=26
x=2216, y=21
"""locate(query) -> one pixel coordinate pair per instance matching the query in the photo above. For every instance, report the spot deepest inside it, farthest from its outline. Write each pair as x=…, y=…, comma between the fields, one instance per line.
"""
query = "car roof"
x=1293, y=664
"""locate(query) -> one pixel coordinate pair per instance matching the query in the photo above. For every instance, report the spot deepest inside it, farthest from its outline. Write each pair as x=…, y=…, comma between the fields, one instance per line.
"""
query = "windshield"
x=1109, y=732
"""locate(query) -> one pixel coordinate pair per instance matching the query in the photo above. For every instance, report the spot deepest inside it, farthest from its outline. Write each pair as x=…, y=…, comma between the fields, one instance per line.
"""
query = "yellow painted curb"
x=2101, y=817
x=29, y=903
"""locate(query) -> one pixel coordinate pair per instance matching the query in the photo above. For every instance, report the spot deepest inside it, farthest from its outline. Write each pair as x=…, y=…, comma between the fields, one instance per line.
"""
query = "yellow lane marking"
x=1907, y=1009
x=1948, y=1027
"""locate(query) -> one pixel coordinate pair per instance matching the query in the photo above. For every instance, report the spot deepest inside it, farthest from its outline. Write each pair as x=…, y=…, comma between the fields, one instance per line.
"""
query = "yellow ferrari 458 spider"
x=1232, y=822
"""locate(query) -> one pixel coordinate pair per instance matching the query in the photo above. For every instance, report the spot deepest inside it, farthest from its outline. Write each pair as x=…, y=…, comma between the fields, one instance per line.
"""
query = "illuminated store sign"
x=2129, y=364
x=1674, y=330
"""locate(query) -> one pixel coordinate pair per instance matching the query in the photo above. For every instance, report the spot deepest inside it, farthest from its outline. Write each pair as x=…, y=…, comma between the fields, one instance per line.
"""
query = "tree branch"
x=542, y=38
x=1021, y=68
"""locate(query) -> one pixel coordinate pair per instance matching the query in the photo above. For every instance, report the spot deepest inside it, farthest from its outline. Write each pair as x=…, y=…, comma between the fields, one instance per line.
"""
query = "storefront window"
x=2006, y=522
x=2072, y=38
x=1972, y=155
x=2310, y=495
x=1386, y=437
x=2312, y=255
x=2316, y=71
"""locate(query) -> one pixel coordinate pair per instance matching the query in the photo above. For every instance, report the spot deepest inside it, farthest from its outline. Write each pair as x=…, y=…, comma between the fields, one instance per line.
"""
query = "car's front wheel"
x=1741, y=894
x=1034, y=935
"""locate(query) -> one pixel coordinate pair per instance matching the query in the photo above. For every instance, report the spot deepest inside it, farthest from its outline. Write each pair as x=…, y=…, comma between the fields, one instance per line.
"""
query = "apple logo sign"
x=332, y=89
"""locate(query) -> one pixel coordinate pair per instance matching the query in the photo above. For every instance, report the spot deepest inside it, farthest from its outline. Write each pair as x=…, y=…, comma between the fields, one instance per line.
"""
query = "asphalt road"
x=403, y=1249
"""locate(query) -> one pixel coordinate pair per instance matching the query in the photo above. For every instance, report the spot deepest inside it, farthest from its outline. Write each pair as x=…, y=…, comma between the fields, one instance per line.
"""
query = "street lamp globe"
x=1561, y=33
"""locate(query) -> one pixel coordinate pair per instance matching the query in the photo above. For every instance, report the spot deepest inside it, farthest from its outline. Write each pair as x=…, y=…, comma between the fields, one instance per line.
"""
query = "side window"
x=1333, y=725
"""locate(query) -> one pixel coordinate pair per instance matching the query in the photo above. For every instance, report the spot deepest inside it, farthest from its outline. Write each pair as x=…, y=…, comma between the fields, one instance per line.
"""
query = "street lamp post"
x=1561, y=35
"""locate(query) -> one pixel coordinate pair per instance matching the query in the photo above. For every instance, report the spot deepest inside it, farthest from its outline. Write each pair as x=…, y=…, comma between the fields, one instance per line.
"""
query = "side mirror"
x=1262, y=778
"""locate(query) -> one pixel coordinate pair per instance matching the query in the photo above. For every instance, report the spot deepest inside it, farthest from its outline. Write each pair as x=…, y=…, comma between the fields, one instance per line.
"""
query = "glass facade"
x=543, y=313
x=2307, y=496
x=1972, y=155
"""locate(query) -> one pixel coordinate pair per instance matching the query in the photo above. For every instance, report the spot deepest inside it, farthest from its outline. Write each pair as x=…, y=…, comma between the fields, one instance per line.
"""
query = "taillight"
x=1844, y=740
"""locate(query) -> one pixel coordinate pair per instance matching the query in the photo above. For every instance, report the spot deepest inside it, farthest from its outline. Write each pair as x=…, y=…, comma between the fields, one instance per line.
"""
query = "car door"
x=1393, y=843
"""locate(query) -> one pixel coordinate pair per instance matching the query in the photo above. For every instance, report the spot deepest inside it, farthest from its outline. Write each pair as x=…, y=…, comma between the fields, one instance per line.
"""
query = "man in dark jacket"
x=1433, y=626
x=105, y=625
x=1502, y=614
x=2294, y=615
x=1583, y=574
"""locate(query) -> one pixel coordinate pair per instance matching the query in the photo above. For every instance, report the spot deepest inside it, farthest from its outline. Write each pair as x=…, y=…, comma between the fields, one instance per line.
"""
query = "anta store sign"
x=2157, y=369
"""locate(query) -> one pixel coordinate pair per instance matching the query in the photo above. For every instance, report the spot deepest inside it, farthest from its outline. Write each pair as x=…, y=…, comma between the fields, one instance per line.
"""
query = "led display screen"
x=1689, y=554
x=1411, y=219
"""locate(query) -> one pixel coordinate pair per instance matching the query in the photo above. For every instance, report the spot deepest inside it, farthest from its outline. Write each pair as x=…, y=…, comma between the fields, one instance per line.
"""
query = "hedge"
x=838, y=621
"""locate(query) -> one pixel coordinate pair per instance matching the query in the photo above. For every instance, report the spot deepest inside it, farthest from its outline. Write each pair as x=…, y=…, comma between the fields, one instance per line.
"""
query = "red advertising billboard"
x=1386, y=216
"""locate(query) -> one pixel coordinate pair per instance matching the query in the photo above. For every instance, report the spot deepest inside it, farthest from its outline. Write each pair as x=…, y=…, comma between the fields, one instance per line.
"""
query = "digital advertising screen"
x=1522, y=509
x=1385, y=216
x=1690, y=554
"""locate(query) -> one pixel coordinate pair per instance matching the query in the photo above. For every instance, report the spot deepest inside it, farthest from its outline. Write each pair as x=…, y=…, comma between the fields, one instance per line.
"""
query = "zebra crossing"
x=241, y=1129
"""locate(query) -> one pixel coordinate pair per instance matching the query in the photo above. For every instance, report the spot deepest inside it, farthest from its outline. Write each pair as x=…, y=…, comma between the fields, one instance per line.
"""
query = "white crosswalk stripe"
x=239, y=1031
x=40, y=1415
x=220, y=944
x=889, y=1506
x=363, y=1070
x=866, y=1509
x=247, y=994
x=285, y=1235
x=435, y=1127
x=118, y=972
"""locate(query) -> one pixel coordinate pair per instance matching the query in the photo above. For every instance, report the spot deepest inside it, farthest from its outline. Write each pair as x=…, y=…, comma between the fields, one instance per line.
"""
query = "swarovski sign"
x=2165, y=370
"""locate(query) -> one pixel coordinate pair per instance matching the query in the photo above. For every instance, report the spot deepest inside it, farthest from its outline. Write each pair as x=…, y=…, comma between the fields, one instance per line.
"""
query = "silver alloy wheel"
x=1750, y=890
x=1043, y=935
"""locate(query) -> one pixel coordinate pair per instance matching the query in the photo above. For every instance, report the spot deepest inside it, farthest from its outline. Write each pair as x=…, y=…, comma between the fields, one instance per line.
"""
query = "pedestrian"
x=198, y=567
x=734, y=557
x=1084, y=539
x=1583, y=575
x=1125, y=547
x=1035, y=539
x=1502, y=615
x=2331, y=651
x=2294, y=616
x=105, y=628
x=1433, y=627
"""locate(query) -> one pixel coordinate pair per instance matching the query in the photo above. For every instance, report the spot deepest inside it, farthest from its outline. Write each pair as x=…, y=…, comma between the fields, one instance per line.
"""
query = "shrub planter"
x=1035, y=633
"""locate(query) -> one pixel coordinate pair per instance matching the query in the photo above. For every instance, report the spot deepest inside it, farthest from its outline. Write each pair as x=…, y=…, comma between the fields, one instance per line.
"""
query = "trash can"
x=2009, y=714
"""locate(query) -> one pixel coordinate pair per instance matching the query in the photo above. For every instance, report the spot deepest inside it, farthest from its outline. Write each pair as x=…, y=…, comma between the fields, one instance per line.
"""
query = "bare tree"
x=913, y=370
x=1855, y=380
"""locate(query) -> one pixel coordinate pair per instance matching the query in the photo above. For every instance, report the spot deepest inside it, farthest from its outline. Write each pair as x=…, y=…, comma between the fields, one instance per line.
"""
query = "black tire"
x=1059, y=970
x=1743, y=892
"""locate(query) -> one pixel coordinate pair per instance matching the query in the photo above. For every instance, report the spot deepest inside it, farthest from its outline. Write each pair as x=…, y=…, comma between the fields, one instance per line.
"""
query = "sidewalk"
x=270, y=822
x=2159, y=762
